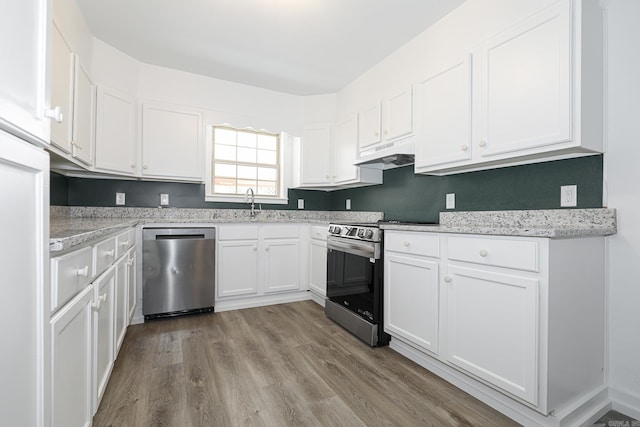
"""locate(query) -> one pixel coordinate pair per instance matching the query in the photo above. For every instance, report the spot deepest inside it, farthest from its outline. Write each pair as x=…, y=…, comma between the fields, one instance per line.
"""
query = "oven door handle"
x=366, y=250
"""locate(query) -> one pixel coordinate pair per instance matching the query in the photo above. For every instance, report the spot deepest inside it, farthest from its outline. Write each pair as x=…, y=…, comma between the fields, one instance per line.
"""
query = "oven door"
x=354, y=278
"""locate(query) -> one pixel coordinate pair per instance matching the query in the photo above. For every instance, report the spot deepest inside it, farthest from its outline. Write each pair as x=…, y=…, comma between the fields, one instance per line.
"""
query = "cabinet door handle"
x=255, y=248
x=133, y=165
x=483, y=143
x=55, y=114
x=386, y=132
x=483, y=253
x=407, y=243
x=109, y=253
x=145, y=167
x=125, y=243
x=96, y=305
x=464, y=147
x=84, y=272
x=130, y=262
x=376, y=134
x=447, y=279
x=267, y=249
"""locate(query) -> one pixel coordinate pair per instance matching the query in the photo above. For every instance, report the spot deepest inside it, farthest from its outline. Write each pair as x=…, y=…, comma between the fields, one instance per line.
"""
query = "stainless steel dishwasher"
x=178, y=271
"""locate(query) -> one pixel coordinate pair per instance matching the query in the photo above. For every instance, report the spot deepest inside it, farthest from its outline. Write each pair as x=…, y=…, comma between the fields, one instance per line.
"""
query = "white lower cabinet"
x=121, y=308
x=103, y=333
x=131, y=284
x=237, y=268
x=281, y=265
x=318, y=261
x=71, y=354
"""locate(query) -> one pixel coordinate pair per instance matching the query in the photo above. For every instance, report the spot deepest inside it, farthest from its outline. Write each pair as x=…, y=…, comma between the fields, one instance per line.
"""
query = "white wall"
x=69, y=20
x=623, y=178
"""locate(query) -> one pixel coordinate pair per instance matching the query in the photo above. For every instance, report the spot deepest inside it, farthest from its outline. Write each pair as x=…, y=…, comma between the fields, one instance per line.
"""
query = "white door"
x=369, y=127
x=71, y=363
x=411, y=300
x=345, y=151
x=237, y=268
x=83, y=115
x=526, y=84
x=282, y=264
x=62, y=85
x=24, y=262
x=131, y=284
x=398, y=114
x=103, y=333
x=318, y=267
x=24, y=86
x=172, y=142
x=316, y=156
x=491, y=328
x=443, y=116
x=116, y=149
x=122, y=306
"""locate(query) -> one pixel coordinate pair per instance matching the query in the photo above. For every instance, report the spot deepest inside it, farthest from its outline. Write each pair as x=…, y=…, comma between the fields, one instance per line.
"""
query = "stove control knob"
x=360, y=232
x=368, y=234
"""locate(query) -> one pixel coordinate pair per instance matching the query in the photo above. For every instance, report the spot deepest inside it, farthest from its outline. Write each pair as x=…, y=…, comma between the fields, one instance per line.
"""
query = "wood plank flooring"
x=282, y=365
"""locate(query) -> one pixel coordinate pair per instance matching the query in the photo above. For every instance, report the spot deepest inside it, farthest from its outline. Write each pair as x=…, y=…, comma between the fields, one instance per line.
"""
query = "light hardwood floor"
x=274, y=366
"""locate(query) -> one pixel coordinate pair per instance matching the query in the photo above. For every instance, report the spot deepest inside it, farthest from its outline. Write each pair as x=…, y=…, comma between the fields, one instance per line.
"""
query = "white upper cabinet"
x=62, y=85
x=369, y=126
x=116, y=148
x=24, y=86
x=172, y=142
x=83, y=116
x=531, y=92
x=316, y=156
x=345, y=146
x=443, y=115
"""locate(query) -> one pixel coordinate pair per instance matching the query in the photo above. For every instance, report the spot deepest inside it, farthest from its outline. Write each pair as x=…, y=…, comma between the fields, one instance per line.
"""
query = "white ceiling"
x=302, y=47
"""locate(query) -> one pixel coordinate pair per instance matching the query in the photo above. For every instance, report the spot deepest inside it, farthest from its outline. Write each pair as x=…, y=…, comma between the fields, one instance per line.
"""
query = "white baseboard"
x=625, y=402
x=318, y=299
x=251, y=302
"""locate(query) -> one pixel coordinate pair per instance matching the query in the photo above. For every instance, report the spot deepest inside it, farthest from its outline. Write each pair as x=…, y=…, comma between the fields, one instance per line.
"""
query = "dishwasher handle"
x=178, y=233
x=179, y=236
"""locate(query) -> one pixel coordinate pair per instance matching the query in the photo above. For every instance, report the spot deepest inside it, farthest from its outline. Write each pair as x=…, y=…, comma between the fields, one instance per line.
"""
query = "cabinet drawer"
x=319, y=232
x=69, y=275
x=124, y=241
x=104, y=255
x=412, y=243
x=517, y=254
x=242, y=232
x=281, y=231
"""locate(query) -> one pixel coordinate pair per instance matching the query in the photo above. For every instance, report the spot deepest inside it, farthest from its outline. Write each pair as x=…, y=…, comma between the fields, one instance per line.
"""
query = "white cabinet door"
x=237, y=268
x=443, y=116
x=116, y=148
x=316, y=156
x=318, y=267
x=282, y=264
x=172, y=142
x=62, y=85
x=398, y=114
x=411, y=300
x=369, y=126
x=345, y=147
x=131, y=283
x=24, y=180
x=526, y=84
x=83, y=115
x=121, y=307
x=491, y=328
x=103, y=333
x=24, y=86
x=71, y=351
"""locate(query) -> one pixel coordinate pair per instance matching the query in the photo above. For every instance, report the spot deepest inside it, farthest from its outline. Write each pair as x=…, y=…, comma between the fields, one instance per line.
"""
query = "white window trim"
x=208, y=190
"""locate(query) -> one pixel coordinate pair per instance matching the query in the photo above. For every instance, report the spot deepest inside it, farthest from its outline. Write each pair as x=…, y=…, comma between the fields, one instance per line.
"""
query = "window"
x=243, y=159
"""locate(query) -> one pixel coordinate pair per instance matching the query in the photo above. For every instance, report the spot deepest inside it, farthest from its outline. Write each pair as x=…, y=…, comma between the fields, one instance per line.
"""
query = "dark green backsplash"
x=403, y=196
x=408, y=197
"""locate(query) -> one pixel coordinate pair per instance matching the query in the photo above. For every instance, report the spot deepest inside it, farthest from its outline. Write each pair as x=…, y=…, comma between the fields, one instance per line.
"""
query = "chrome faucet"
x=250, y=198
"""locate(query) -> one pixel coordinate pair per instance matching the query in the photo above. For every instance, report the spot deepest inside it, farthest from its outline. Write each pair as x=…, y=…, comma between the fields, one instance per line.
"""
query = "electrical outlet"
x=451, y=201
x=300, y=203
x=348, y=204
x=164, y=199
x=119, y=199
x=568, y=196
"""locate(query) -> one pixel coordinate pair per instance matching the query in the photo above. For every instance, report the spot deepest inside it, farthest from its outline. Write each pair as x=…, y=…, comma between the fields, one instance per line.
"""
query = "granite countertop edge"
x=549, y=232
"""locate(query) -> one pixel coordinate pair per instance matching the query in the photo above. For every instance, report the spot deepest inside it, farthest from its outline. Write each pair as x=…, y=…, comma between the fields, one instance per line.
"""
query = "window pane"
x=244, y=185
x=225, y=136
x=225, y=152
x=247, y=155
x=246, y=139
x=268, y=174
x=247, y=172
x=267, y=188
x=267, y=157
x=224, y=185
x=222, y=169
x=267, y=142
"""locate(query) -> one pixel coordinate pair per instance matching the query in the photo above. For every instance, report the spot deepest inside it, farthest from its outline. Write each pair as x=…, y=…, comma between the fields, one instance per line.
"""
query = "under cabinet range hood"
x=388, y=156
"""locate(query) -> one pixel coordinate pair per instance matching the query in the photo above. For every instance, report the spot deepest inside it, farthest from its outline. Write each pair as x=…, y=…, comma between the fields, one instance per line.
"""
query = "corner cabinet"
x=532, y=92
x=523, y=316
x=172, y=142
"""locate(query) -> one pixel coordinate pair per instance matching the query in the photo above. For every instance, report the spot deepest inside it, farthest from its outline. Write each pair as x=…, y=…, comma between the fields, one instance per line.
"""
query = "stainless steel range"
x=355, y=280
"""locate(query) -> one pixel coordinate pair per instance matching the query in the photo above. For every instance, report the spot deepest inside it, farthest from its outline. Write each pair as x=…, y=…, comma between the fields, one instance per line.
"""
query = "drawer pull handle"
x=464, y=147
x=55, y=114
x=267, y=248
x=96, y=305
x=130, y=262
x=483, y=143
x=109, y=253
x=125, y=243
x=483, y=253
x=447, y=279
x=255, y=248
x=84, y=272
x=407, y=243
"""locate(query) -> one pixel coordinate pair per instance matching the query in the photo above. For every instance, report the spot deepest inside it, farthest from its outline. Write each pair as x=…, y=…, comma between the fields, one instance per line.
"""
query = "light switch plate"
x=164, y=199
x=348, y=204
x=451, y=201
x=569, y=196
x=300, y=203
x=120, y=199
